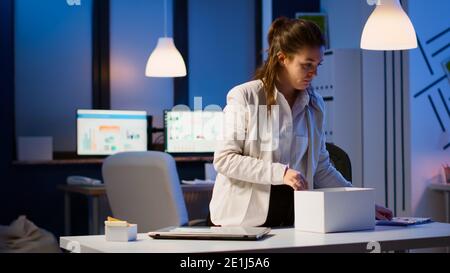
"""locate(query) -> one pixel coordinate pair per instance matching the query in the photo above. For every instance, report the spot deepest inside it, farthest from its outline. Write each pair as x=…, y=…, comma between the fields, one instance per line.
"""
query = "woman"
x=257, y=175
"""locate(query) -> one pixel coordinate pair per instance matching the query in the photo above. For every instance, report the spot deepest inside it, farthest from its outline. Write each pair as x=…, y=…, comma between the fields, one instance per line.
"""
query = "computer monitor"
x=192, y=132
x=106, y=132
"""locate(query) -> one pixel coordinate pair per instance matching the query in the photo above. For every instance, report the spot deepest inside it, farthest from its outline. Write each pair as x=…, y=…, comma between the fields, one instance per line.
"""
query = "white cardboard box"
x=335, y=209
x=121, y=234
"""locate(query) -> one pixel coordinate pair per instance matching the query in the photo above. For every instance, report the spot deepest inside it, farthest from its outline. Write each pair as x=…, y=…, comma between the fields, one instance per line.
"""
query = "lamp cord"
x=165, y=18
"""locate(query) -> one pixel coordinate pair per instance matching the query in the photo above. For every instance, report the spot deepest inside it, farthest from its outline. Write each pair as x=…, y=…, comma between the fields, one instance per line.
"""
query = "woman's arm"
x=228, y=157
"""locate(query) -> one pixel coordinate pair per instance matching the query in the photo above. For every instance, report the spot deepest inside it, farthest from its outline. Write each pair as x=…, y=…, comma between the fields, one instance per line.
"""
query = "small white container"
x=121, y=234
x=335, y=209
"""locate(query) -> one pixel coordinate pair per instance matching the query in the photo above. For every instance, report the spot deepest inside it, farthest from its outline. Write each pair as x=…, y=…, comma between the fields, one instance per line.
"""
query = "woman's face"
x=300, y=69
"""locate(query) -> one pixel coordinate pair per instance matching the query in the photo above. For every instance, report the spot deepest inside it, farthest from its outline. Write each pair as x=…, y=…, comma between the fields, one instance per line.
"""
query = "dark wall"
x=288, y=8
x=6, y=102
x=28, y=190
x=35, y=194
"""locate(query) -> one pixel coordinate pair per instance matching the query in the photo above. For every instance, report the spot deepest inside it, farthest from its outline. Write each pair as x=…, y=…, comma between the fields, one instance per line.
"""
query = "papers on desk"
x=403, y=221
x=197, y=182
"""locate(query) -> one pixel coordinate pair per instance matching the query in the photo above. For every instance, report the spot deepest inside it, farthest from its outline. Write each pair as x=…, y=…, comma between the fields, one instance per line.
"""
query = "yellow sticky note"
x=111, y=219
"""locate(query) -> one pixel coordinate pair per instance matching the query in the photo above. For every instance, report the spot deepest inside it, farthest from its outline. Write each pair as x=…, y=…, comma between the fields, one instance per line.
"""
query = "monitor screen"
x=105, y=132
x=192, y=131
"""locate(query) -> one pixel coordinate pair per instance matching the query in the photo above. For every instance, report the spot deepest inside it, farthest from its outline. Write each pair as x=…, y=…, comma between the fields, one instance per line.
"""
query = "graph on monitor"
x=106, y=132
x=192, y=131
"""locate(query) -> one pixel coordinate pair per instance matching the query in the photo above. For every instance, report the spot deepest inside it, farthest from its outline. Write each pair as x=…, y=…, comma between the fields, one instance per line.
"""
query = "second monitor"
x=192, y=131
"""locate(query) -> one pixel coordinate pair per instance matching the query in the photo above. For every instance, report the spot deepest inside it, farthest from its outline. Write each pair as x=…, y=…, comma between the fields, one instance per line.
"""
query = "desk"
x=196, y=197
x=99, y=161
x=282, y=240
x=445, y=188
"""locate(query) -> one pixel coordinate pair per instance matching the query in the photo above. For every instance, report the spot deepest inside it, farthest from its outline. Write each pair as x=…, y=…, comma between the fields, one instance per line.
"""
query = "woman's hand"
x=382, y=213
x=295, y=179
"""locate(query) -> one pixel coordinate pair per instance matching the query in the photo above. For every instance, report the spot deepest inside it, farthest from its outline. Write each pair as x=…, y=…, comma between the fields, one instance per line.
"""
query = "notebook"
x=403, y=221
x=211, y=233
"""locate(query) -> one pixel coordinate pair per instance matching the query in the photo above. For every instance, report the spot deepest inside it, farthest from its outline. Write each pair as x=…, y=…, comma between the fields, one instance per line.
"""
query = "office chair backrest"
x=143, y=188
x=340, y=160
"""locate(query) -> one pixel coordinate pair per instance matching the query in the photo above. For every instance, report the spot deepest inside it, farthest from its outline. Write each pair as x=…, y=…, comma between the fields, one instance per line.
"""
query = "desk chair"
x=144, y=188
x=340, y=160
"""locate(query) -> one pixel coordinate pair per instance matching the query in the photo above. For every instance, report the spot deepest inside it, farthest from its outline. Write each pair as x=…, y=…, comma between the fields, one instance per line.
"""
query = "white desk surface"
x=279, y=240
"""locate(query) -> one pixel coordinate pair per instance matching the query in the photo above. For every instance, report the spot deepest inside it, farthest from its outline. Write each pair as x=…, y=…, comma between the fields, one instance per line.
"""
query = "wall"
x=52, y=78
x=221, y=48
x=428, y=136
x=267, y=18
x=135, y=28
x=412, y=135
x=53, y=68
x=346, y=21
x=289, y=8
x=222, y=43
x=6, y=102
x=49, y=66
x=53, y=60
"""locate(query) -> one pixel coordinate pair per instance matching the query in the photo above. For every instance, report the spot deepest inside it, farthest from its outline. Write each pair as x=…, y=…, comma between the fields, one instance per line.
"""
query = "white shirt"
x=246, y=171
x=295, y=156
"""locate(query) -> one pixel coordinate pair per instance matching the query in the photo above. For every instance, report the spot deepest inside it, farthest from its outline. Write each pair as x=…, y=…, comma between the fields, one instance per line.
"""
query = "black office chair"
x=340, y=160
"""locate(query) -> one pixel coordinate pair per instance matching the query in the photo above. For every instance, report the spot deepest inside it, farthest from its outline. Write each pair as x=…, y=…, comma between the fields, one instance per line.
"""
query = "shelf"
x=99, y=161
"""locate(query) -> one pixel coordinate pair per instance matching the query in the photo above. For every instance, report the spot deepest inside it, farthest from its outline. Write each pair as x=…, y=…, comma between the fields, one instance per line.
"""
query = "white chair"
x=144, y=188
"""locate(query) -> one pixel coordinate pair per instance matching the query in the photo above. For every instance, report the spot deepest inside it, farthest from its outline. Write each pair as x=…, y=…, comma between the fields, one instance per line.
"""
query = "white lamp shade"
x=165, y=60
x=388, y=28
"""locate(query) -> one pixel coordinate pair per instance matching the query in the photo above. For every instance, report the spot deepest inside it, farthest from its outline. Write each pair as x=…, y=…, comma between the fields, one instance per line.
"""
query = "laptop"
x=404, y=221
x=211, y=233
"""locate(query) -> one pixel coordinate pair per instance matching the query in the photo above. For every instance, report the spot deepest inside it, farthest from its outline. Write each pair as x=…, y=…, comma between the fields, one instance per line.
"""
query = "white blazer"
x=246, y=171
